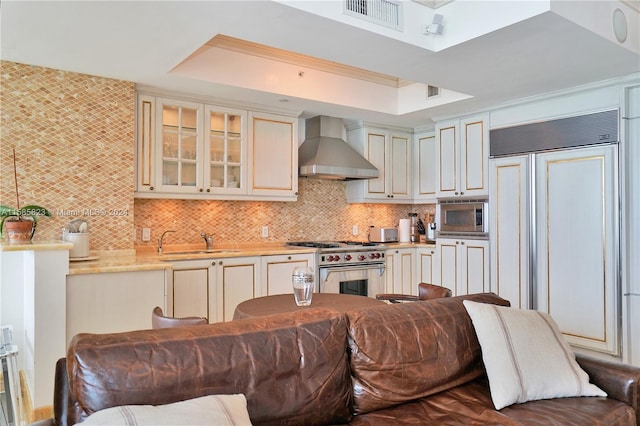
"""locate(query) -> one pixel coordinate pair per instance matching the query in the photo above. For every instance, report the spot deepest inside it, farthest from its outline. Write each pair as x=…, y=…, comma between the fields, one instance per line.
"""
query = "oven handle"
x=324, y=271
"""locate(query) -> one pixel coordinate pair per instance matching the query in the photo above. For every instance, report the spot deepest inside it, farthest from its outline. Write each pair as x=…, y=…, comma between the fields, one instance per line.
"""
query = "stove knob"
x=336, y=258
x=347, y=257
x=372, y=256
x=378, y=255
x=362, y=257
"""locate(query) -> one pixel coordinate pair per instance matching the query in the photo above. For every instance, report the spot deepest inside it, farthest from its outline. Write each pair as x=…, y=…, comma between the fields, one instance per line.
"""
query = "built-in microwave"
x=459, y=218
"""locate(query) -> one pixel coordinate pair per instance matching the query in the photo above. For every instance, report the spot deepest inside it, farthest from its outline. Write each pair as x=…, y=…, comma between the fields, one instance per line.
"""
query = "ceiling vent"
x=382, y=12
x=432, y=91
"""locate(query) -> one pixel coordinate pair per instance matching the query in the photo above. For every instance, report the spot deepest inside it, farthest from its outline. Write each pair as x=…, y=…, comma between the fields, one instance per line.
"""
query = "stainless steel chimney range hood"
x=324, y=155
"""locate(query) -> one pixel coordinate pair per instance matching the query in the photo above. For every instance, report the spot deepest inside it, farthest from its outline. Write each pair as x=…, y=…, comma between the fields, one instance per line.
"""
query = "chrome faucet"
x=160, y=241
x=208, y=239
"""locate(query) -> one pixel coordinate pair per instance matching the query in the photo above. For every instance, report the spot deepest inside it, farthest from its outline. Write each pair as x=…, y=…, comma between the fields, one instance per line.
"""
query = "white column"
x=33, y=301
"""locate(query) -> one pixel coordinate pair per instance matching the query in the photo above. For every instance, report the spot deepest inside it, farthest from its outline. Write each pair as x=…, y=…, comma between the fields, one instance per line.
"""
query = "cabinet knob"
x=461, y=242
x=457, y=242
x=288, y=257
x=151, y=188
x=220, y=263
x=461, y=193
x=456, y=193
x=208, y=189
x=213, y=263
x=200, y=189
x=433, y=252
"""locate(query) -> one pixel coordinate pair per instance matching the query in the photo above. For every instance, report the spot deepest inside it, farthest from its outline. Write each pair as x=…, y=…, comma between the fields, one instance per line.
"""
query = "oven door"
x=364, y=280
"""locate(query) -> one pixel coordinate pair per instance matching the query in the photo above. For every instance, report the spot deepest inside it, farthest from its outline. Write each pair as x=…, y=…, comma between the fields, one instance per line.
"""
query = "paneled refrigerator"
x=554, y=224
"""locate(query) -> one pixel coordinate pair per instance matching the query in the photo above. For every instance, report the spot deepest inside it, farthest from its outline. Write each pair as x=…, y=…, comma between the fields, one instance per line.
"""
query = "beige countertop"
x=147, y=259
x=36, y=246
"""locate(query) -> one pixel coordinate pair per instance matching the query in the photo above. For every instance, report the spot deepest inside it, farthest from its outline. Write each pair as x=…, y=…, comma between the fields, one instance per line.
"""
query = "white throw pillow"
x=216, y=410
x=526, y=356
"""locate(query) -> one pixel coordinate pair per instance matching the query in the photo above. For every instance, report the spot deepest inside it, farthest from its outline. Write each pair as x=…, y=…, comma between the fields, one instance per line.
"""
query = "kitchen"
x=94, y=117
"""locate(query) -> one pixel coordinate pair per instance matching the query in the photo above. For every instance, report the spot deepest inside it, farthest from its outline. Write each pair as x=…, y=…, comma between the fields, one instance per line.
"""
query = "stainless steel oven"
x=350, y=267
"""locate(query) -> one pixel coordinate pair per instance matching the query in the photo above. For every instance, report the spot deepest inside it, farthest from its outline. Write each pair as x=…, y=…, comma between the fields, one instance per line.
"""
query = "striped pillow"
x=526, y=356
x=219, y=410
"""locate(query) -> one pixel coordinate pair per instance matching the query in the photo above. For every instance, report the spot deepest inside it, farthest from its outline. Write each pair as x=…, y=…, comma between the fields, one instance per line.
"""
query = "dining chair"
x=426, y=291
x=158, y=320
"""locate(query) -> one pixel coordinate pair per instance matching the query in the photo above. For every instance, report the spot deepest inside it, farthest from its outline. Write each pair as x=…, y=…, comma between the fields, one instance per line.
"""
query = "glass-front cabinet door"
x=182, y=149
x=225, y=141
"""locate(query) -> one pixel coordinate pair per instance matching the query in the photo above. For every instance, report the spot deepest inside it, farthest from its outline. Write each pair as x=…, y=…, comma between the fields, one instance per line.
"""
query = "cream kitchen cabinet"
x=463, y=265
x=390, y=151
x=237, y=280
x=427, y=270
x=277, y=271
x=213, y=288
x=190, y=295
x=113, y=302
x=273, y=154
x=509, y=224
x=191, y=150
x=399, y=272
x=425, y=167
x=462, y=152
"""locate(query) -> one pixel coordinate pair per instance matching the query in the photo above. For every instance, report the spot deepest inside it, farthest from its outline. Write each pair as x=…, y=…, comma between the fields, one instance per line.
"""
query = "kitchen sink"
x=175, y=253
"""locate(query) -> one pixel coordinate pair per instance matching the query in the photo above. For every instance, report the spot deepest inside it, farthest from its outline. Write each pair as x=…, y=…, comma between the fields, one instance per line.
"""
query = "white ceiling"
x=490, y=53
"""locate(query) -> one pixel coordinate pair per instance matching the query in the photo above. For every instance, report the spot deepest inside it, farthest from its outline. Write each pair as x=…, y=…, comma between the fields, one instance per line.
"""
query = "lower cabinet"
x=277, y=271
x=113, y=302
x=236, y=280
x=463, y=265
x=213, y=288
x=399, y=273
x=427, y=266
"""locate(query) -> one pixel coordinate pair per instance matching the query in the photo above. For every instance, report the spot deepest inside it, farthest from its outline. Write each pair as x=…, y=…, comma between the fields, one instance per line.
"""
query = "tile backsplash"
x=321, y=213
x=74, y=136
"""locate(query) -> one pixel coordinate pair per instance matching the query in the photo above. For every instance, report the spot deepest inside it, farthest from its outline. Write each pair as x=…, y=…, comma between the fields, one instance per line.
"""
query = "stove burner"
x=313, y=244
x=359, y=243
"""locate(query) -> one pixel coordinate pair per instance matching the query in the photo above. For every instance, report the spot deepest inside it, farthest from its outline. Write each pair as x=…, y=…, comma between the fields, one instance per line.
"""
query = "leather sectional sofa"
x=413, y=363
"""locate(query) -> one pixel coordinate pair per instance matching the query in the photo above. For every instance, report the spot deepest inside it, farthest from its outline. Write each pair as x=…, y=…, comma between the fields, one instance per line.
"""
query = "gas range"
x=343, y=253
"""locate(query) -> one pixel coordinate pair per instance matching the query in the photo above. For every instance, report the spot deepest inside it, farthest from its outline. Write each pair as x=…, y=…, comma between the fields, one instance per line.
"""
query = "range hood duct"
x=324, y=155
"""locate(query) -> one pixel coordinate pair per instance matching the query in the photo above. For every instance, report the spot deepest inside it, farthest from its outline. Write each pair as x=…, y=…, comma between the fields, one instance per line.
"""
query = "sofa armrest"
x=619, y=381
x=61, y=393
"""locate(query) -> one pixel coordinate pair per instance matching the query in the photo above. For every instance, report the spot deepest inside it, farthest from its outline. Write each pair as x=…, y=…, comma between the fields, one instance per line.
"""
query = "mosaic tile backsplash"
x=74, y=137
x=321, y=213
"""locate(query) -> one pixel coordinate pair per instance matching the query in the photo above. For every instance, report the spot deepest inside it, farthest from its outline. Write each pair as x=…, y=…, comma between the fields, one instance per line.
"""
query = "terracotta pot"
x=19, y=231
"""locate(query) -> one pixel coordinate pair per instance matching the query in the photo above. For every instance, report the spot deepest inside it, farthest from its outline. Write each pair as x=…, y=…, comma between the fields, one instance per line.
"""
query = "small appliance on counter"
x=383, y=235
x=430, y=228
x=414, y=228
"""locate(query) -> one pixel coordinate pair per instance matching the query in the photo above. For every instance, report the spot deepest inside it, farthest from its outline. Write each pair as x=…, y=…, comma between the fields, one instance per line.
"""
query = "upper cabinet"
x=425, y=166
x=195, y=151
x=462, y=152
x=390, y=152
x=273, y=155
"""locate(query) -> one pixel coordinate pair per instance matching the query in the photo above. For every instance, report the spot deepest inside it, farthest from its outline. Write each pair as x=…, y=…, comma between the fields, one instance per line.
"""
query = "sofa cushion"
x=220, y=410
x=292, y=367
x=470, y=404
x=406, y=351
x=526, y=356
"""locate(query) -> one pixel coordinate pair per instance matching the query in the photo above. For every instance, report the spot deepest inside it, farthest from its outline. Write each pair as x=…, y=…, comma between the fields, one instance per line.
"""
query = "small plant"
x=17, y=214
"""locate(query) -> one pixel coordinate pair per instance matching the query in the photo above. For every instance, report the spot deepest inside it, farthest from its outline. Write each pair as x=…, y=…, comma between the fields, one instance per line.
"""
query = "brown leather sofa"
x=414, y=363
